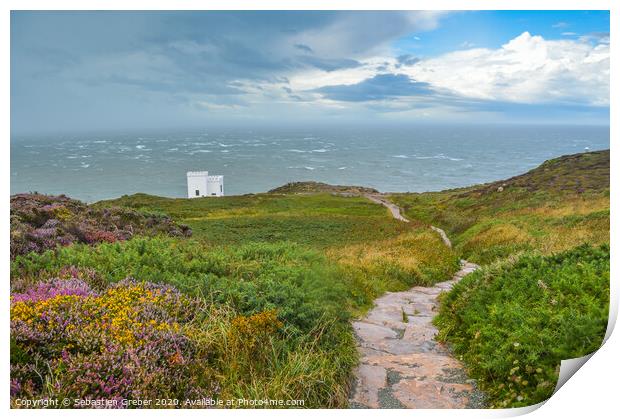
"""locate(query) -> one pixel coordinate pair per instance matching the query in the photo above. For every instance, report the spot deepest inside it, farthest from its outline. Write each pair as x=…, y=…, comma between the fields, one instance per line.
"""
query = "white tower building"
x=200, y=184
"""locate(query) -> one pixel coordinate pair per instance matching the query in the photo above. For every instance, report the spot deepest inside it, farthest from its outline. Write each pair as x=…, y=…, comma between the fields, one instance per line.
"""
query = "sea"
x=97, y=166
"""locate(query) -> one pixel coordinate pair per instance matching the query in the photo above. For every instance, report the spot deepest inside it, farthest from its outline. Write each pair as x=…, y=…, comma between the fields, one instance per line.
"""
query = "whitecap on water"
x=439, y=157
x=400, y=156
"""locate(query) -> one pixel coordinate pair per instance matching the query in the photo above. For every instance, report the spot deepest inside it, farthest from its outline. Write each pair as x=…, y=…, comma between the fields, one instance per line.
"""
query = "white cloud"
x=467, y=44
x=528, y=69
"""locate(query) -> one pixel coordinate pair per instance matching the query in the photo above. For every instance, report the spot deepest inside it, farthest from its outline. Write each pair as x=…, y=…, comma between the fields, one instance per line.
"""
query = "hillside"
x=319, y=220
x=42, y=222
x=575, y=173
x=318, y=187
x=560, y=204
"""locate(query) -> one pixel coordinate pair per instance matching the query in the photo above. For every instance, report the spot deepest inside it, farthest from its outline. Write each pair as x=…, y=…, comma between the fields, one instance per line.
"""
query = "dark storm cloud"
x=97, y=68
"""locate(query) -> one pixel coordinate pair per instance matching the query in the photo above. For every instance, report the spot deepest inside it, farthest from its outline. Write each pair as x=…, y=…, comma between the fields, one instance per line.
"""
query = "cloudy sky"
x=73, y=71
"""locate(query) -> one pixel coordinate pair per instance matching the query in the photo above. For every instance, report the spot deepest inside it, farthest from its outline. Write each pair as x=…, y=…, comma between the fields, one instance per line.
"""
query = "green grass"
x=310, y=358
x=514, y=321
x=318, y=220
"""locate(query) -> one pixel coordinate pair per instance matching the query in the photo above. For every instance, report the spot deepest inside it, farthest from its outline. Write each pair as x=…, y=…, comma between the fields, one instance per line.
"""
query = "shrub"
x=513, y=322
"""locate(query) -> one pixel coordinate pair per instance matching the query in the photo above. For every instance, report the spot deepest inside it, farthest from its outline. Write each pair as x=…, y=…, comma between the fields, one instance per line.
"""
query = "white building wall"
x=215, y=186
x=197, y=184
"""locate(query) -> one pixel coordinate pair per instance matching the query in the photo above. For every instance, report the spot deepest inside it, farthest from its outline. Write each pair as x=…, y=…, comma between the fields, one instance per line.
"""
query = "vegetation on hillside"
x=132, y=340
x=265, y=321
x=559, y=205
x=316, y=187
x=42, y=222
x=514, y=321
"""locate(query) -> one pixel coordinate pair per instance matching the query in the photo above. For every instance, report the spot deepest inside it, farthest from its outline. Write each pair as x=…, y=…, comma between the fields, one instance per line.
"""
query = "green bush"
x=514, y=321
x=300, y=283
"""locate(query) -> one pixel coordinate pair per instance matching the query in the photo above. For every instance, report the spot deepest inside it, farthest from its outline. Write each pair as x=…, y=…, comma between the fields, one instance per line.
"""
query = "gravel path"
x=401, y=364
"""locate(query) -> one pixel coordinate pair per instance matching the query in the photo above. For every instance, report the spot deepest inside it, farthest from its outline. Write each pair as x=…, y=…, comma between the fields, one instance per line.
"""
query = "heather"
x=515, y=320
x=134, y=340
x=42, y=222
x=303, y=284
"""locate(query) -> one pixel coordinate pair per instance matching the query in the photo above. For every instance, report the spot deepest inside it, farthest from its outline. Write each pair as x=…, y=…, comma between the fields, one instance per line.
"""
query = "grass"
x=309, y=357
x=318, y=220
x=314, y=187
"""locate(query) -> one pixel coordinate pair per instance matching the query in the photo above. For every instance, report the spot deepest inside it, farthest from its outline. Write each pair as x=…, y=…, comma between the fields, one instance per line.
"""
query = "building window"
x=221, y=188
x=197, y=192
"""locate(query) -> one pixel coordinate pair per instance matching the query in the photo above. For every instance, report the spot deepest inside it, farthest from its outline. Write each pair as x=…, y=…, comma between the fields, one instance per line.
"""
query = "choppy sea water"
x=423, y=158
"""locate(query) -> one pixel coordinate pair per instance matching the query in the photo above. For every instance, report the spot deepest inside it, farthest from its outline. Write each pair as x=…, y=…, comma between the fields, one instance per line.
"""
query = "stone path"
x=443, y=235
x=394, y=209
x=401, y=365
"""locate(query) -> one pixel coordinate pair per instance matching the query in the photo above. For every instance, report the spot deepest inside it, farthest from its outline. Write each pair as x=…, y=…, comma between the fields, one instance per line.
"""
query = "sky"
x=104, y=70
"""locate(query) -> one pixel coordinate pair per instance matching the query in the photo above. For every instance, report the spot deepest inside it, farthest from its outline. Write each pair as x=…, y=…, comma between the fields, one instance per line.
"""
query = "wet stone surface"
x=401, y=365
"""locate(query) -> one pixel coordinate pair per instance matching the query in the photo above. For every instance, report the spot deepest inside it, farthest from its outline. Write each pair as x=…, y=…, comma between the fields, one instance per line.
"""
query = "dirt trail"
x=401, y=365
